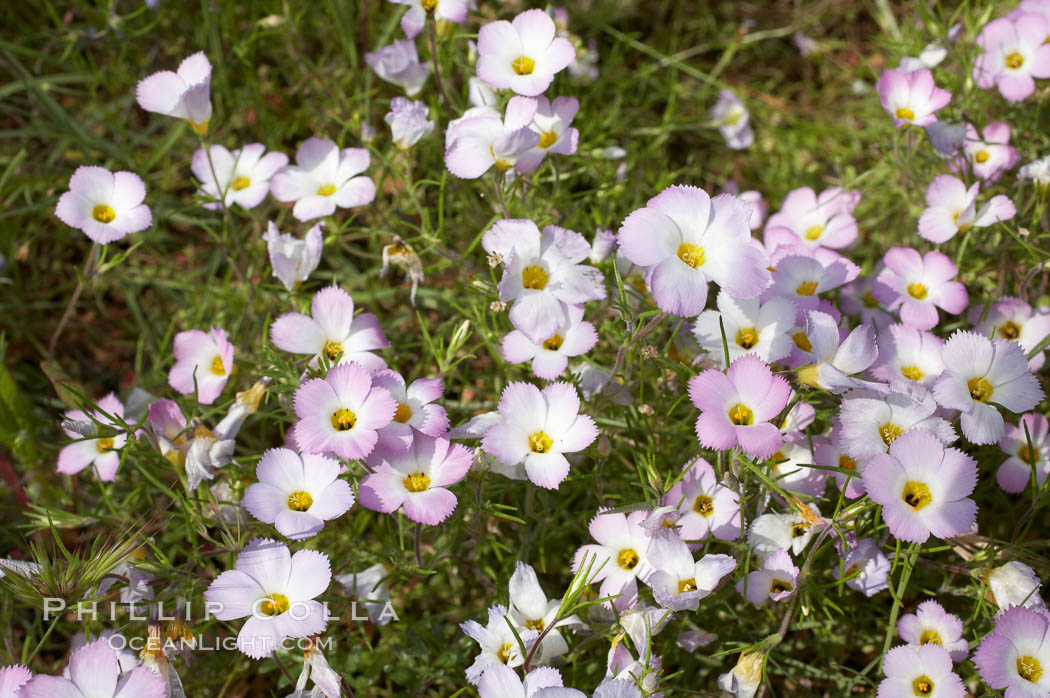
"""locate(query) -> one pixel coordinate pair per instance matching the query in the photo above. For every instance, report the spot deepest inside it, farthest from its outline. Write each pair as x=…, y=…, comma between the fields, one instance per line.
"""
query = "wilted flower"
x=865, y=568
x=408, y=122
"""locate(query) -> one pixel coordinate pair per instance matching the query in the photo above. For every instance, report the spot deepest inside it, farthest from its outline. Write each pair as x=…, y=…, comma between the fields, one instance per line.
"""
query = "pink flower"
x=905, y=352
x=865, y=568
x=415, y=413
x=919, y=285
x=801, y=278
x=276, y=589
x=736, y=406
x=408, y=122
x=829, y=451
x=1012, y=319
x=733, y=121
x=95, y=673
x=869, y=421
x=417, y=479
x=1015, y=656
x=550, y=356
x=203, y=363
x=619, y=559
x=105, y=205
x=1016, y=471
x=931, y=624
x=415, y=18
x=989, y=154
x=12, y=678
x=522, y=55
x=500, y=681
x=923, y=487
x=538, y=428
x=684, y=238
x=920, y=671
x=1014, y=54
x=99, y=451
x=911, y=98
x=292, y=259
x=323, y=178
x=333, y=331
x=678, y=582
x=833, y=360
x=707, y=508
x=553, y=123
x=399, y=64
x=185, y=94
x=751, y=327
x=980, y=373
x=774, y=581
x=952, y=209
x=297, y=493
x=480, y=140
x=806, y=219
x=342, y=412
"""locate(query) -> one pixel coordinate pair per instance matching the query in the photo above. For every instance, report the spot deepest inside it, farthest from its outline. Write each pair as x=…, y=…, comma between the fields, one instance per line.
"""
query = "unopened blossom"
x=481, y=140
x=550, y=356
x=342, y=412
x=333, y=330
x=292, y=259
x=12, y=678
x=684, y=238
x=923, y=487
x=920, y=671
x=497, y=643
x=952, y=208
x=553, y=122
x=184, y=94
x=745, y=678
x=918, y=285
x=931, y=56
x=1015, y=657
x=619, y=558
x=751, y=327
x=774, y=581
x=736, y=406
x=275, y=590
x=1028, y=446
x=239, y=177
x=105, y=205
x=95, y=673
x=297, y=493
x=369, y=586
x=323, y=178
x=416, y=412
x=707, y=508
x=100, y=450
x=603, y=245
x=733, y=121
x=980, y=373
x=399, y=64
x=834, y=362
x=945, y=138
x=865, y=568
x=500, y=681
x=679, y=583
x=408, y=122
x=911, y=98
x=530, y=609
x=988, y=154
x=1015, y=584
x=543, y=274
x=1014, y=53
x=802, y=279
x=326, y=682
x=416, y=480
x=1013, y=319
x=203, y=363
x=906, y=352
x=538, y=429
x=932, y=625
x=870, y=421
x=419, y=11
x=523, y=55
x=814, y=221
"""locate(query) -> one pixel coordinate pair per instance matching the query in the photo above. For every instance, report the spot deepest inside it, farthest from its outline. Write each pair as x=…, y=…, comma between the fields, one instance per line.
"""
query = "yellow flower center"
x=889, y=432
x=523, y=65
x=536, y=624
x=200, y=127
x=869, y=300
x=779, y=586
x=916, y=494
x=930, y=637
x=332, y=350
x=1009, y=330
x=980, y=389
x=540, y=442
x=1026, y=454
x=685, y=585
x=802, y=341
x=806, y=288
x=326, y=190
x=428, y=5
x=216, y=366
x=627, y=559
x=704, y=505
x=981, y=156
x=847, y=462
x=300, y=501
x=799, y=528
x=403, y=413
x=905, y=113
x=922, y=686
x=554, y=343
x=240, y=183
x=343, y=419
x=534, y=277
x=103, y=213
x=747, y=337
x=504, y=653
x=417, y=482
x=741, y=416
x=548, y=138
x=692, y=255
x=104, y=444
x=912, y=372
x=1029, y=668
x=917, y=290
x=500, y=163
x=814, y=232
x=1014, y=61
x=274, y=605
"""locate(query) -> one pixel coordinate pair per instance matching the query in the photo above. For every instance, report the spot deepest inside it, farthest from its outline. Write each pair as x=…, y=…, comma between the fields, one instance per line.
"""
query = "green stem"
x=902, y=585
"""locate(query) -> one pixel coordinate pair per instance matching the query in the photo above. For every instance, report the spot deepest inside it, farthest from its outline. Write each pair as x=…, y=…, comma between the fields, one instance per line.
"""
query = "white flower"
x=399, y=63
x=370, y=587
x=238, y=177
x=293, y=259
x=408, y=122
x=751, y=327
x=497, y=642
x=185, y=94
x=322, y=178
x=530, y=610
x=1015, y=584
